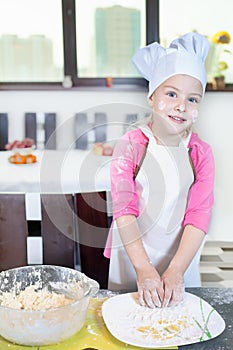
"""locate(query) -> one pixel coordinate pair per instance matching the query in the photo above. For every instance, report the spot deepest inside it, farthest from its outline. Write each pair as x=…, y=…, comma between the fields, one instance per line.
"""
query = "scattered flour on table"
x=222, y=296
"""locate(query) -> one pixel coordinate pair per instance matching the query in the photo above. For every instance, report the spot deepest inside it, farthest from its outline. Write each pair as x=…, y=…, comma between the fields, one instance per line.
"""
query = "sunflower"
x=221, y=38
x=222, y=65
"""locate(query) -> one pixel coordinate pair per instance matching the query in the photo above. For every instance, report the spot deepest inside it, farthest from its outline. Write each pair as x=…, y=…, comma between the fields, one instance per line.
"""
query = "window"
x=206, y=17
x=81, y=43
x=108, y=34
x=31, y=41
x=44, y=41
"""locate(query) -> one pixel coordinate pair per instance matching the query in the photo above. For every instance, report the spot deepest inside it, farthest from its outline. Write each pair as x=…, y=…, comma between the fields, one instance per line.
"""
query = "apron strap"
x=136, y=170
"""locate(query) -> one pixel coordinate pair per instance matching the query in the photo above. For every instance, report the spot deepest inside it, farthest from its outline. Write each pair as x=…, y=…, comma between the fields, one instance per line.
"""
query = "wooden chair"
x=92, y=235
x=131, y=118
x=3, y=130
x=48, y=128
x=60, y=227
x=81, y=131
x=100, y=127
x=31, y=126
x=50, y=125
x=57, y=230
x=13, y=231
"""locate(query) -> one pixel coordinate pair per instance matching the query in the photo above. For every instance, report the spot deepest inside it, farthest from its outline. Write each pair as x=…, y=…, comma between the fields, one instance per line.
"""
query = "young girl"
x=162, y=180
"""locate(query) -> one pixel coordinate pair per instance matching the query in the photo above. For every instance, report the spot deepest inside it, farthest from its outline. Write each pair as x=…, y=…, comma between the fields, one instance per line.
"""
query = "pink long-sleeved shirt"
x=130, y=150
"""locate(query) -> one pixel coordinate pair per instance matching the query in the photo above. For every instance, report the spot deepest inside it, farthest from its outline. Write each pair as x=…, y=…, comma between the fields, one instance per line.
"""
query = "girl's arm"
x=173, y=277
x=149, y=283
x=127, y=156
x=201, y=194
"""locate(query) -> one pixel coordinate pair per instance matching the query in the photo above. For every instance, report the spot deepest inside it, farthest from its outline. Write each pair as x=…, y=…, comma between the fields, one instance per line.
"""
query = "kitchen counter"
x=222, y=300
x=95, y=335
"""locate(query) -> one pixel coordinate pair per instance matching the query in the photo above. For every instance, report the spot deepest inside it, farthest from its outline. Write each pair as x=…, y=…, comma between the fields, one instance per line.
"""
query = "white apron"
x=163, y=183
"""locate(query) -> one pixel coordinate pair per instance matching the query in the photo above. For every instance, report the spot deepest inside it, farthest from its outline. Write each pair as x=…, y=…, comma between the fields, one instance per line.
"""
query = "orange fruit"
x=17, y=159
x=30, y=158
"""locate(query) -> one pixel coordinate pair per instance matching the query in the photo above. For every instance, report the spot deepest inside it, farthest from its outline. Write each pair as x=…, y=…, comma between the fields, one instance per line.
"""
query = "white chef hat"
x=185, y=55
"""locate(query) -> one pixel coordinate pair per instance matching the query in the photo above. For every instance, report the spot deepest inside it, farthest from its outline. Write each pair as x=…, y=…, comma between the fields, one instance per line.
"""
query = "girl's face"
x=175, y=105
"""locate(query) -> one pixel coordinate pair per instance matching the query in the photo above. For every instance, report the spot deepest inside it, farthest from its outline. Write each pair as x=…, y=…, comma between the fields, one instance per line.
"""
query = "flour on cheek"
x=161, y=105
x=194, y=115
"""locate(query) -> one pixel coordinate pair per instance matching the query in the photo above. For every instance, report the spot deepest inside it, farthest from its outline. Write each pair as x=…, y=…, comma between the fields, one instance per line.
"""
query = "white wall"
x=66, y=104
x=215, y=125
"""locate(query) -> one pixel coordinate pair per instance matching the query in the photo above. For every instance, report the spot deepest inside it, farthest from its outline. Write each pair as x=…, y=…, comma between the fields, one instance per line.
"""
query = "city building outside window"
x=31, y=41
x=65, y=43
x=108, y=33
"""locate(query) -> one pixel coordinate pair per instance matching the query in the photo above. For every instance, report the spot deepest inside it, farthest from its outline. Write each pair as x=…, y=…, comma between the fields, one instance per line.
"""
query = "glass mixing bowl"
x=44, y=326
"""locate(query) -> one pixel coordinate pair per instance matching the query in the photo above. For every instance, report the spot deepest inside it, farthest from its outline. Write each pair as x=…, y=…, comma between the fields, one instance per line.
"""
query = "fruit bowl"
x=103, y=149
x=22, y=151
x=36, y=306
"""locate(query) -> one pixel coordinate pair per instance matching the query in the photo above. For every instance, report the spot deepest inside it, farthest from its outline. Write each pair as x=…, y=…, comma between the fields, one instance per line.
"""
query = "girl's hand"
x=150, y=288
x=173, y=283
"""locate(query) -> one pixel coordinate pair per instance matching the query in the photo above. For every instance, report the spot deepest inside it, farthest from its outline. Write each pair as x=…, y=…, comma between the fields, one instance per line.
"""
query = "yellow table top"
x=94, y=334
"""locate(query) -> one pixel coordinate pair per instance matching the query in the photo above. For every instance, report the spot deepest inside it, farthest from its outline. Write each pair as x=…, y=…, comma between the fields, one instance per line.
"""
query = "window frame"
x=70, y=56
x=69, y=30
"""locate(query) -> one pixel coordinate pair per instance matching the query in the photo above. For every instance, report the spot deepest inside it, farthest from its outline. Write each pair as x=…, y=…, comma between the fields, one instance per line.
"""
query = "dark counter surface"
x=222, y=301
